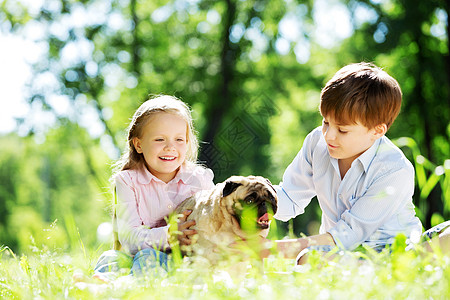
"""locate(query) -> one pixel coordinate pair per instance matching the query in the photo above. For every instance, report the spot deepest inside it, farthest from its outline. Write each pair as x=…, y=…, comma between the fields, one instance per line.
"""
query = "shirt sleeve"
x=207, y=179
x=381, y=201
x=133, y=235
x=297, y=188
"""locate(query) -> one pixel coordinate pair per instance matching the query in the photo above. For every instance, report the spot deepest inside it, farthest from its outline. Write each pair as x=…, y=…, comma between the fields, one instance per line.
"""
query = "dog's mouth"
x=263, y=221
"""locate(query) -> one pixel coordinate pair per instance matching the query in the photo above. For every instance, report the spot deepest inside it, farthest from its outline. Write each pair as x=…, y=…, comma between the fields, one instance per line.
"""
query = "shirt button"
x=169, y=206
x=340, y=197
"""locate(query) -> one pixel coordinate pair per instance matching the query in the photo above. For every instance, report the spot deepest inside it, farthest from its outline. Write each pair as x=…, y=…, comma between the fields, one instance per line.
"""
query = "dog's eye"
x=249, y=200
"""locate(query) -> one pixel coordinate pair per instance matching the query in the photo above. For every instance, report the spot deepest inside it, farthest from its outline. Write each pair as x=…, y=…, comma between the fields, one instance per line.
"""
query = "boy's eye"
x=342, y=131
x=180, y=140
x=159, y=140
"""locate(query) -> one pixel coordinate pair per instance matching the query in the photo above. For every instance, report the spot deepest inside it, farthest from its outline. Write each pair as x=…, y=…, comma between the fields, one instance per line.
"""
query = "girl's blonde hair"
x=159, y=104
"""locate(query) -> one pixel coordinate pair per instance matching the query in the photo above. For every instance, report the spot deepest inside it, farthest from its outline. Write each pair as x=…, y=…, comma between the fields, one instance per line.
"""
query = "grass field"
x=393, y=274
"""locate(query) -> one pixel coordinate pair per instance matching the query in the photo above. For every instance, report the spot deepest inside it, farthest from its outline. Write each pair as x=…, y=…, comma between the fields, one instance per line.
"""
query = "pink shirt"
x=143, y=201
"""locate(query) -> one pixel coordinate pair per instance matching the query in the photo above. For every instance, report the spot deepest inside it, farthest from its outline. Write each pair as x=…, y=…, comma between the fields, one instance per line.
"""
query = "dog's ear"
x=271, y=186
x=230, y=187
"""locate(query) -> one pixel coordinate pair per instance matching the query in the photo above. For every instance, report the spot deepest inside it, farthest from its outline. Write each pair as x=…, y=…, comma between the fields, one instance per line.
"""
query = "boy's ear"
x=380, y=130
x=137, y=144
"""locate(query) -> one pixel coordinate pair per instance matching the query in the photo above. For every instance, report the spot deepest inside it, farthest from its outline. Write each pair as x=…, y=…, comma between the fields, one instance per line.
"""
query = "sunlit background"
x=19, y=51
x=332, y=24
x=72, y=73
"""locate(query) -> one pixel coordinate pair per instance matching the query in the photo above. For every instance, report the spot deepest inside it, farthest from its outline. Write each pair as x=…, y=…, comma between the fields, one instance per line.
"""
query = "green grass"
x=394, y=274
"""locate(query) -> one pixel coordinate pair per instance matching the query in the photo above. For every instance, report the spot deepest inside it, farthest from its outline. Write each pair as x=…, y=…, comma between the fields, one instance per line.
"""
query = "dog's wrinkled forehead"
x=234, y=182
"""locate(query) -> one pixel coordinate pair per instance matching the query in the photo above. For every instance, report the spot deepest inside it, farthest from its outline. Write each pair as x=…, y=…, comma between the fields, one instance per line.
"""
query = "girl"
x=157, y=173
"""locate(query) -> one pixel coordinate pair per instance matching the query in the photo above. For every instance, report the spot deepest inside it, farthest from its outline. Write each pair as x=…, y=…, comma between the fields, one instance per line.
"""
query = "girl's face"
x=163, y=144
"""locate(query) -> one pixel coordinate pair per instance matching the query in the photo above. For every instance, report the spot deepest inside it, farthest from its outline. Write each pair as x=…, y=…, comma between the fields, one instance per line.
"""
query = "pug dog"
x=220, y=212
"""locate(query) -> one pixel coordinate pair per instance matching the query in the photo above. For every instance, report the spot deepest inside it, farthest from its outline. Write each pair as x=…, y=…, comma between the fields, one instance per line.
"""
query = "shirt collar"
x=144, y=176
x=367, y=157
x=184, y=174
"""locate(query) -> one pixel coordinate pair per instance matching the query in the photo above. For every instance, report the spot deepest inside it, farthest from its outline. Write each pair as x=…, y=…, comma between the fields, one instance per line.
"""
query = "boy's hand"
x=292, y=247
x=256, y=248
x=183, y=227
x=265, y=247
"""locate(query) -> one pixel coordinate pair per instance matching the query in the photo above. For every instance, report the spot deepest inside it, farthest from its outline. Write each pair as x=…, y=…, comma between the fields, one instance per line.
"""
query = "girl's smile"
x=167, y=158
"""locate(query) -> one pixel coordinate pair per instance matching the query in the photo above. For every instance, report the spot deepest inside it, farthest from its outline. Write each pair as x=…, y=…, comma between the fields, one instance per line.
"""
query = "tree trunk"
x=223, y=102
x=136, y=65
x=447, y=57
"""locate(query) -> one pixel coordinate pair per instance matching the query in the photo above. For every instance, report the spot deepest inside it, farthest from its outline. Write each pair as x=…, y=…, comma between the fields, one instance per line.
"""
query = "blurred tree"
x=45, y=183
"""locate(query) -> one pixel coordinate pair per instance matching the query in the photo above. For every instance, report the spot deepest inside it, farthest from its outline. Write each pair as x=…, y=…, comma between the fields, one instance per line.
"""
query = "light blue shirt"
x=370, y=205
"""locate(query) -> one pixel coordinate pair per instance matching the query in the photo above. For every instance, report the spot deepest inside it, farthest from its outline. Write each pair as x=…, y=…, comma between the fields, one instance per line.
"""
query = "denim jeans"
x=435, y=231
x=114, y=263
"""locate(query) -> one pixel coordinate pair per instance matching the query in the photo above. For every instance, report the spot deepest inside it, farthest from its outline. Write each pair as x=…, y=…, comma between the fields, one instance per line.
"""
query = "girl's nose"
x=169, y=145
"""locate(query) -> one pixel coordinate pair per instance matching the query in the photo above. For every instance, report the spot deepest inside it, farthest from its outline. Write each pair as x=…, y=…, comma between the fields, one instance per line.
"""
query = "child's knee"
x=113, y=261
x=150, y=260
x=151, y=255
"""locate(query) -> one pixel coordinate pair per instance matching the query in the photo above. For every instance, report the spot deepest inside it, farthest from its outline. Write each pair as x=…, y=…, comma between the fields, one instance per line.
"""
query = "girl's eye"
x=180, y=140
x=342, y=131
x=159, y=140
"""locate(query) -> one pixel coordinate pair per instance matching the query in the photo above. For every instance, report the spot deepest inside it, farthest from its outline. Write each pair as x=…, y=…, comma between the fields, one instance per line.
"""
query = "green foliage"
x=429, y=177
x=173, y=239
x=41, y=190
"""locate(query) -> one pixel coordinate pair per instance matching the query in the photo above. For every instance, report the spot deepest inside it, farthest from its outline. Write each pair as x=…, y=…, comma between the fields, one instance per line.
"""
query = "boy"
x=363, y=182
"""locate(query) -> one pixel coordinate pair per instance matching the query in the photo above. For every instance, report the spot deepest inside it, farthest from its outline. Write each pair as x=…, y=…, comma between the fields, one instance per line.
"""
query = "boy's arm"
x=297, y=188
x=292, y=247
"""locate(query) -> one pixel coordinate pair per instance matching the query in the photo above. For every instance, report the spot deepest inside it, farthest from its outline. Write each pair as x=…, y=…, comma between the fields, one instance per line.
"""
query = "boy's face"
x=347, y=142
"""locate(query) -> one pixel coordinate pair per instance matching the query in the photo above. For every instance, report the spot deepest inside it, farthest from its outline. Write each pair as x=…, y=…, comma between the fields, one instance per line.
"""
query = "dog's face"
x=250, y=193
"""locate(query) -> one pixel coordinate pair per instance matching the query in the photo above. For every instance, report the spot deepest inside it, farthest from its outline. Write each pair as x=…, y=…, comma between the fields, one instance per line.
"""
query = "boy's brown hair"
x=361, y=93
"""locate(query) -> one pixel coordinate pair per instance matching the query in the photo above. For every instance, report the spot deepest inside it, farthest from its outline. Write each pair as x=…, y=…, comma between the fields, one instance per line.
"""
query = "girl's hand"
x=160, y=223
x=183, y=227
